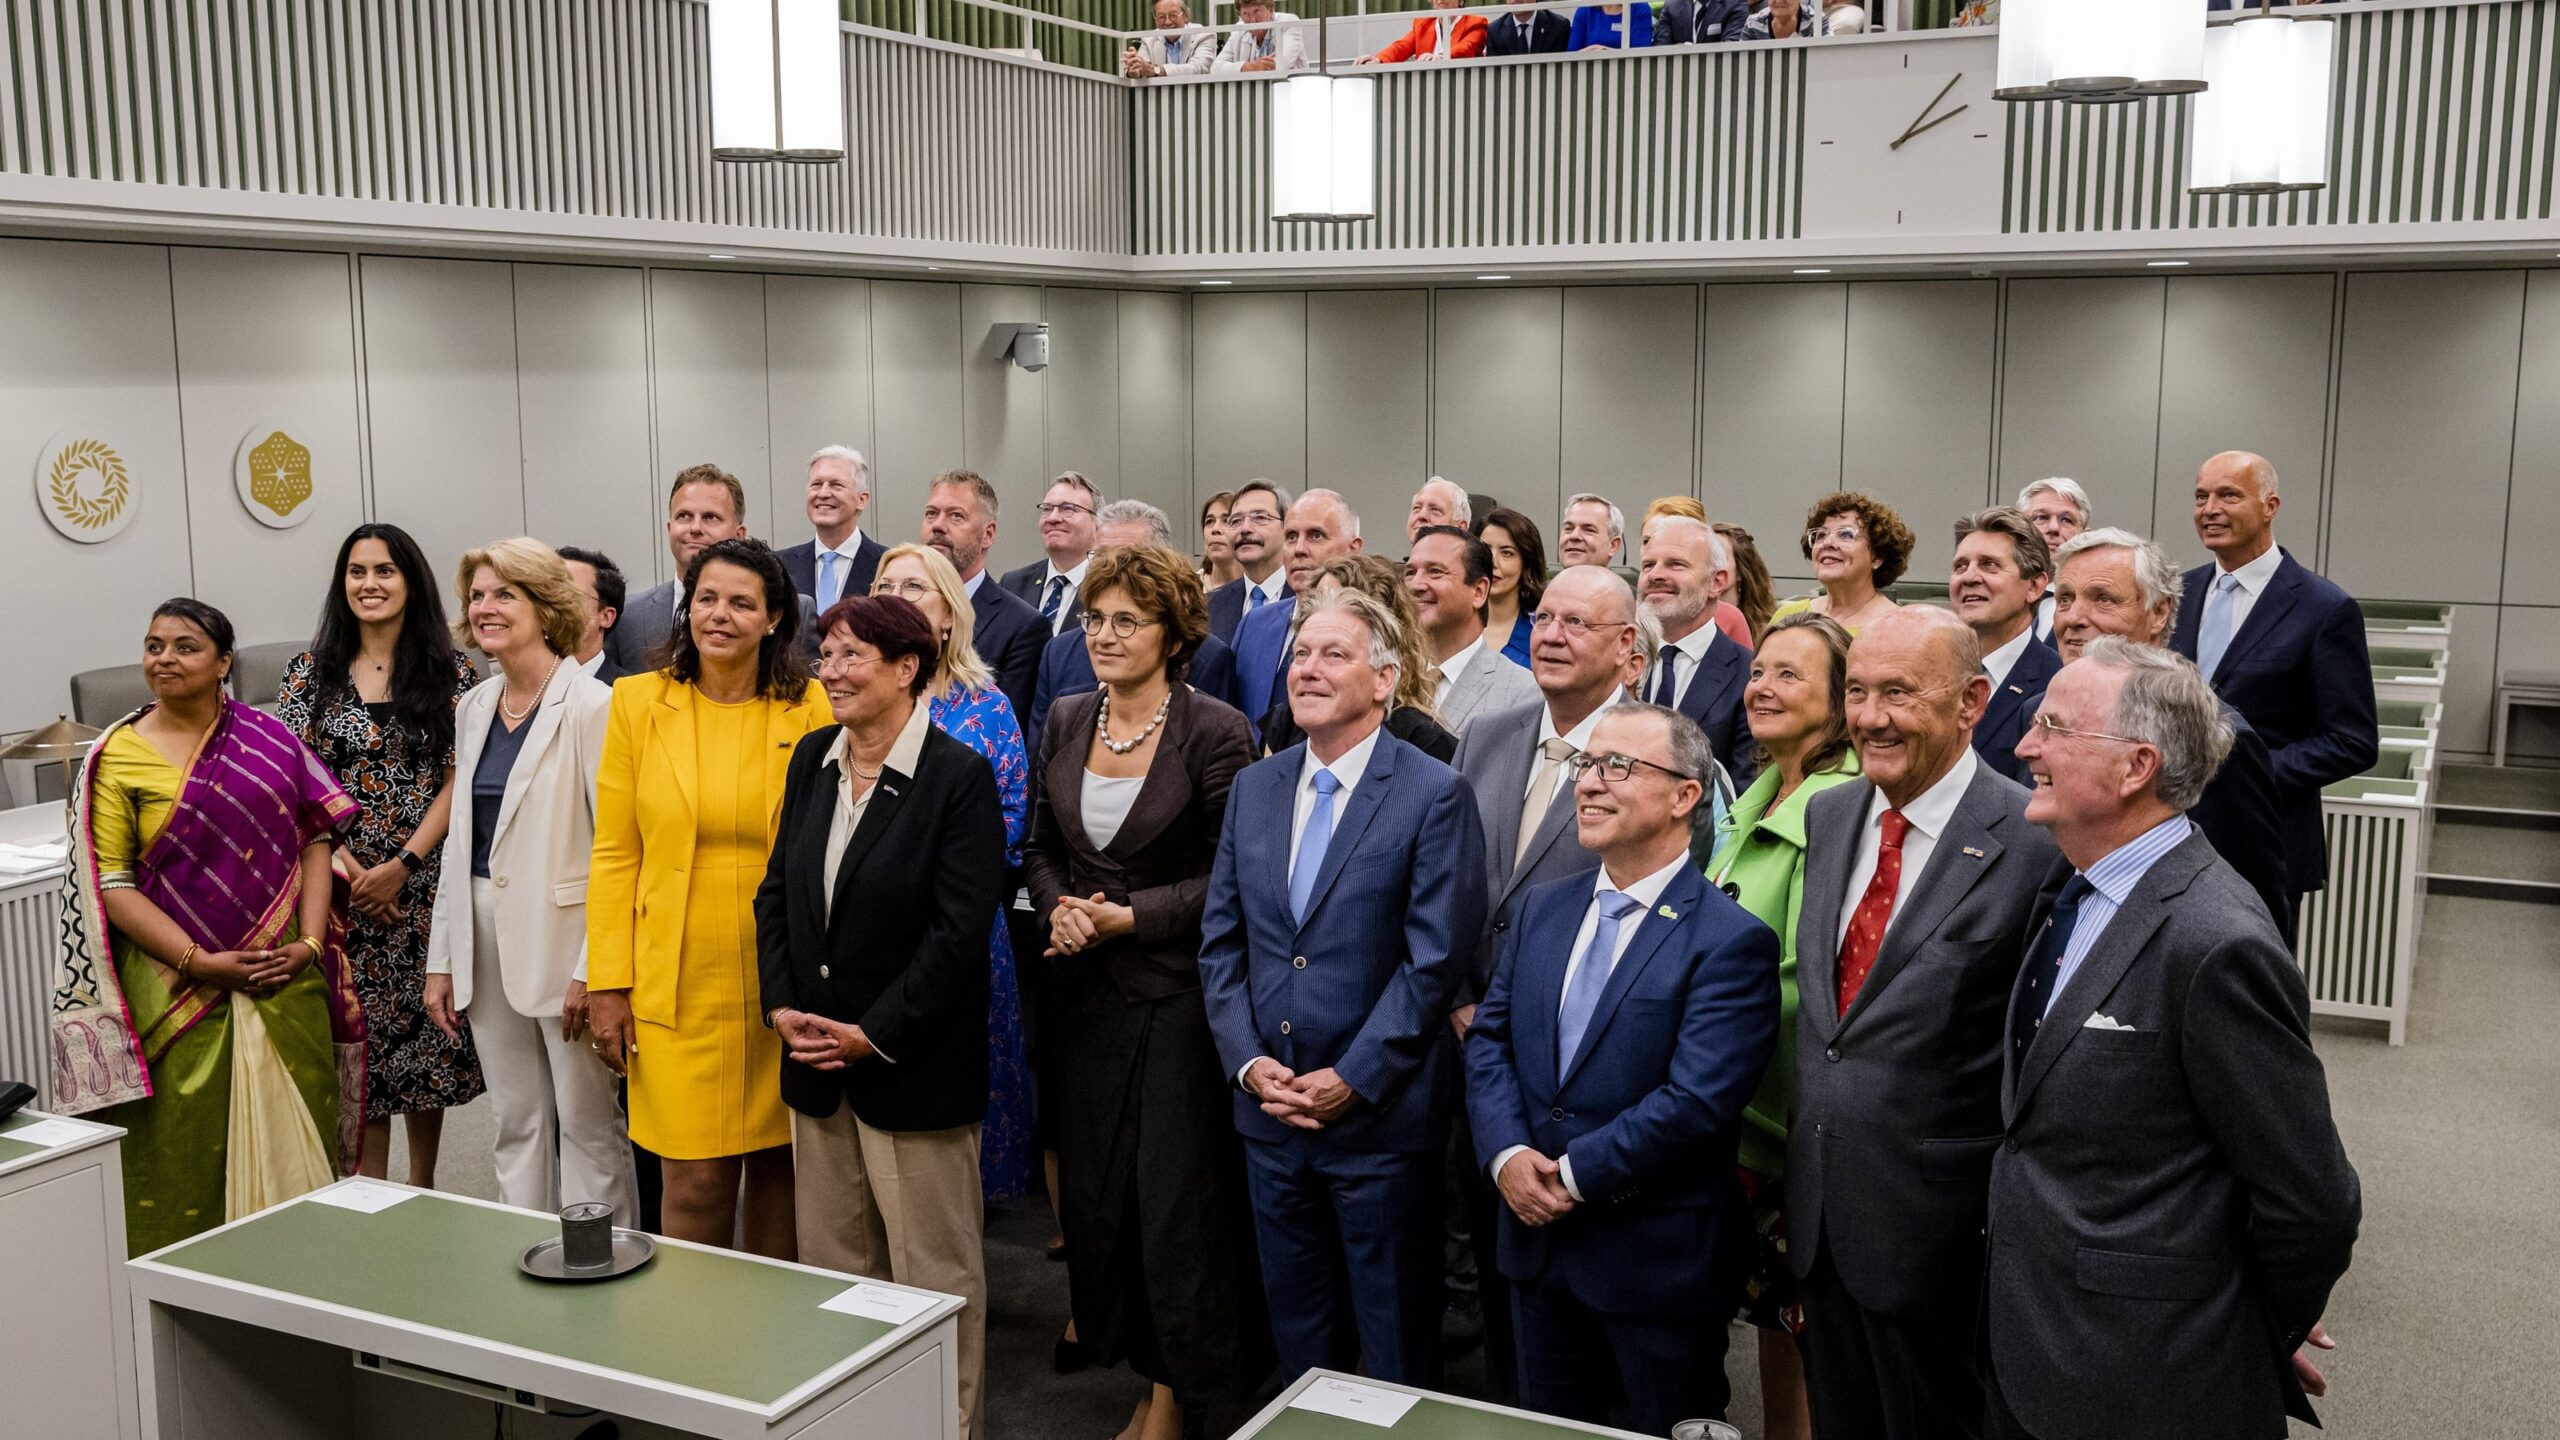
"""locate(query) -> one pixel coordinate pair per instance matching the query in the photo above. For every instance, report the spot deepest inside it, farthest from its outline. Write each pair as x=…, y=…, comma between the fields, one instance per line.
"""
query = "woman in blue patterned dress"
x=969, y=708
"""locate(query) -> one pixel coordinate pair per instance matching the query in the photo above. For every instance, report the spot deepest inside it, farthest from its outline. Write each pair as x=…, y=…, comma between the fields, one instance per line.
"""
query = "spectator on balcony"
x=1844, y=17
x=1177, y=48
x=1262, y=40
x=1601, y=27
x=1527, y=31
x=1702, y=22
x=1461, y=39
x=1783, y=20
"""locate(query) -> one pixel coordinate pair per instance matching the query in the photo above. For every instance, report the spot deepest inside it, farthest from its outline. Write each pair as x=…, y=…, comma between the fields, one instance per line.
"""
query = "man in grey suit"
x=705, y=505
x=1582, y=657
x=2172, y=1204
x=1450, y=576
x=1918, y=883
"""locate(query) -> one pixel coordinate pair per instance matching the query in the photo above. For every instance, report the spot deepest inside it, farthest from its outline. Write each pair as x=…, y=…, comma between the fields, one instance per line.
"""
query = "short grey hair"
x=2034, y=560
x=2166, y=705
x=2154, y=573
x=1138, y=512
x=1462, y=511
x=1723, y=549
x=1350, y=517
x=847, y=454
x=1691, y=754
x=1648, y=638
x=2069, y=489
x=1617, y=518
x=1383, y=629
x=1092, y=491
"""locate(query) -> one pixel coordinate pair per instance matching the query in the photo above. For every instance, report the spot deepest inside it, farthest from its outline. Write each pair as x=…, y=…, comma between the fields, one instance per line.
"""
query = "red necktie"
x=1875, y=911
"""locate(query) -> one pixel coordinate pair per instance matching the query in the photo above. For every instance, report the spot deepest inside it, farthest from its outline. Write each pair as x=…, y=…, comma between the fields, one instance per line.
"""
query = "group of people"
x=1408, y=957
x=1264, y=39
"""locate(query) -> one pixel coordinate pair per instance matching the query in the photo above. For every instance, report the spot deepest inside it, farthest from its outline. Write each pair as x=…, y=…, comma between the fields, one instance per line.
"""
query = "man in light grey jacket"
x=1450, y=575
x=1262, y=39
x=1177, y=48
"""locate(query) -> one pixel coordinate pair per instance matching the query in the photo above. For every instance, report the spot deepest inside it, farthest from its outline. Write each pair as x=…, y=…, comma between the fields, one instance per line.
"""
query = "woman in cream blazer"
x=508, y=950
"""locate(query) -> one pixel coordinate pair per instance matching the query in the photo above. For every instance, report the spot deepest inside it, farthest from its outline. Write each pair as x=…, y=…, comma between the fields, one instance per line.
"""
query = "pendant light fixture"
x=2099, y=51
x=777, y=81
x=1324, y=148
x=2262, y=128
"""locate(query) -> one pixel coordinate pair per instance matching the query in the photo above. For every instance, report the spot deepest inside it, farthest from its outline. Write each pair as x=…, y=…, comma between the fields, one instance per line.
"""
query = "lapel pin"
x=1667, y=913
x=1976, y=854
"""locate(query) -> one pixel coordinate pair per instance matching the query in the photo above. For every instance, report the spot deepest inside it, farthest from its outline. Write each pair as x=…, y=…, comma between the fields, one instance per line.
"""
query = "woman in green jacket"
x=1792, y=702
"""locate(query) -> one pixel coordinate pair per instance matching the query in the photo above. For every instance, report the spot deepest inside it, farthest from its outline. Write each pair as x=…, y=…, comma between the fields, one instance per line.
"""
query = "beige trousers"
x=898, y=1206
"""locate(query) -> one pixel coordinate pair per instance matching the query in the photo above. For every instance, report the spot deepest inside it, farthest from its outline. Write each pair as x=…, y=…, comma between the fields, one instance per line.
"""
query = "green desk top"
x=1431, y=1418
x=716, y=1322
x=13, y=1151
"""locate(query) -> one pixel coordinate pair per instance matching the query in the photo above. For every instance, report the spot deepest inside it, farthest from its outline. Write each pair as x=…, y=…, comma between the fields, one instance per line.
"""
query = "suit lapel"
x=1831, y=846
x=1959, y=860
x=675, y=735
x=2269, y=611
x=1550, y=830
x=783, y=727
x=1537, y=985
x=888, y=795
x=2128, y=931
x=1506, y=774
x=1657, y=925
x=1162, y=793
x=807, y=855
x=1354, y=819
x=546, y=722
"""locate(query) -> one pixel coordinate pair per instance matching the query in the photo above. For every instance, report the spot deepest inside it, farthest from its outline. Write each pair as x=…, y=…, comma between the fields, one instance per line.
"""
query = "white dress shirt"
x=1693, y=652
x=2111, y=882
x=2254, y=578
x=1067, y=599
x=1347, y=769
x=970, y=586
x=1455, y=666
x=1928, y=815
x=2000, y=662
x=1579, y=737
x=849, y=806
x=1274, y=586
x=591, y=664
x=2042, y=626
x=1646, y=893
x=844, y=554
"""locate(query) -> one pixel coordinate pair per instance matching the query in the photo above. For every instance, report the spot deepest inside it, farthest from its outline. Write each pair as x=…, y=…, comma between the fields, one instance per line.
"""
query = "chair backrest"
x=101, y=697
x=257, y=671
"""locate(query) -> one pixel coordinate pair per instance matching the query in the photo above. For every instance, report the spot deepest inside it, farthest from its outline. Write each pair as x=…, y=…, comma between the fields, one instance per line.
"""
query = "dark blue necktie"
x=1049, y=602
x=2044, y=962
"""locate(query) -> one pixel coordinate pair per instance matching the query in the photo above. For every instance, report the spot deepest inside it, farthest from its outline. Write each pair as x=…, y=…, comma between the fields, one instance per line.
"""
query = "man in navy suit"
x=842, y=560
x=1253, y=533
x=1345, y=901
x=1070, y=517
x=1607, y=1069
x=1700, y=671
x=2001, y=570
x=1320, y=527
x=1527, y=32
x=1066, y=667
x=2285, y=648
x=960, y=521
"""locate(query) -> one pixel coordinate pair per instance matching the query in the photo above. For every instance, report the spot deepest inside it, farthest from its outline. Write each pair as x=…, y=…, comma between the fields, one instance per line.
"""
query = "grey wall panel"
x=266, y=342
x=90, y=358
x=1001, y=412
x=1154, y=414
x=915, y=393
x=1249, y=391
x=1082, y=431
x=1918, y=429
x=2426, y=433
x=2471, y=677
x=817, y=345
x=2528, y=636
x=2533, y=509
x=440, y=401
x=1497, y=384
x=2245, y=366
x=582, y=375
x=1369, y=403
x=1630, y=392
x=707, y=337
x=1772, y=360
x=2080, y=387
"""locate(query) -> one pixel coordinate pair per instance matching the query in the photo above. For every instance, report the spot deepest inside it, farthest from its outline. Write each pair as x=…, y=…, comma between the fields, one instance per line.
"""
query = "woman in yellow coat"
x=687, y=795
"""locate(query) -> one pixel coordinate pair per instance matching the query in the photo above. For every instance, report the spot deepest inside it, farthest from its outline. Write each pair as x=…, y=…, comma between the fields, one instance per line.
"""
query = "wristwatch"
x=412, y=861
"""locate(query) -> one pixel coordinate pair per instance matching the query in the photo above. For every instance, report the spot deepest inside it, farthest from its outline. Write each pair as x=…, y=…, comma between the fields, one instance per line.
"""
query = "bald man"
x=2285, y=648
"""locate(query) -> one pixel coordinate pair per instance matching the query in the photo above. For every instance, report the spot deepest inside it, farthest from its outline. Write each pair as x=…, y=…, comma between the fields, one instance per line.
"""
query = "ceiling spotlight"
x=1217, y=282
x=2165, y=264
x=715, y=255
x=1493, y=277
x=1814, y=270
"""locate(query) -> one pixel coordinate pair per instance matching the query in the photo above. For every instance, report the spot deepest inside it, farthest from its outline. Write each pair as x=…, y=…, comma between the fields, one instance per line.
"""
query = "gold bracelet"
x=186, y=962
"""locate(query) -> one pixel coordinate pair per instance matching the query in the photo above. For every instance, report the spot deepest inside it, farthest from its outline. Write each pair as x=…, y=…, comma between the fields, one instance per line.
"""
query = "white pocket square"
x=2104, y=1022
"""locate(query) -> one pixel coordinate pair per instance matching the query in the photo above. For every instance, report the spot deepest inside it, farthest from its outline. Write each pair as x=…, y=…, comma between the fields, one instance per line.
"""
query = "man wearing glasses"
x=1919, y=881
x=1253, y=533
x=1625, y=1028
x=1066, y=531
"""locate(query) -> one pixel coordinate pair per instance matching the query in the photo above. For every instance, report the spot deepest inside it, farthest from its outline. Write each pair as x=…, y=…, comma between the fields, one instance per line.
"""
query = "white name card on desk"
x=1354, y=1401
x=49, y=1133
x=360, y=1197
x=879, y=1302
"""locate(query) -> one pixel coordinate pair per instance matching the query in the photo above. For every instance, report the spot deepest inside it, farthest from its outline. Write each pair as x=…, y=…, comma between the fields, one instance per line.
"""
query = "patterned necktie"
x=1542, y=793
x=1666, y=679
x=1311, y=846
x=828, y=594
x=1875, y=910
x=1590, y=977
x=2213, y=636
x=1049, y=602
x=2044, y=963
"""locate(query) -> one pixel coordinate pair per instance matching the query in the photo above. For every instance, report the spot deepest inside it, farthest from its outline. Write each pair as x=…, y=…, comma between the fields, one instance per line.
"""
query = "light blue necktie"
x=2213, y=636
x=1311, y=845
x=827, y=591
x=1253, y=597
x=1590, y=977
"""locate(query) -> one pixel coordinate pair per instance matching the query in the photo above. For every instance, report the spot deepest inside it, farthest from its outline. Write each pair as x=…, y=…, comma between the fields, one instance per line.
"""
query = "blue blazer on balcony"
x=1595, y=28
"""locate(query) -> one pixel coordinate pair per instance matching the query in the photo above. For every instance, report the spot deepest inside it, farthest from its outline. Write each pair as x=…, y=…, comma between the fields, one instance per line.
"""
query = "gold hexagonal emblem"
x=280, y=473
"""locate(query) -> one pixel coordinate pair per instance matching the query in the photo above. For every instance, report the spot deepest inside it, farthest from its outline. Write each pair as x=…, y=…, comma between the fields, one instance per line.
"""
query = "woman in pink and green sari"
x=203, y=1003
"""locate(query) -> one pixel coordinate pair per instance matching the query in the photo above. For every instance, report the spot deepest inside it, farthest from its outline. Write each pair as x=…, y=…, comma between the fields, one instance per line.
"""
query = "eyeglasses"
x=1122, y=625
x=1576, y=624
x=847, y=661
x=1893, y=697
x=2051, y=727
x=1253, y=517
x=909, y=590
x=1615, y=768
x=1049, y=508
x=1841, y=534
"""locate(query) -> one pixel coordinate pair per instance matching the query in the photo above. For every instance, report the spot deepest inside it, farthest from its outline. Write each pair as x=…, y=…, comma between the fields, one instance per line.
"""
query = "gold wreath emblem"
x=114, y=486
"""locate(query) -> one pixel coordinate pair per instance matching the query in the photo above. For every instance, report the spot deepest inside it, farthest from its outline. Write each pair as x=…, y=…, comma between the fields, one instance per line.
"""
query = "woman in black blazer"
x=1124, y=828
x=871, y=937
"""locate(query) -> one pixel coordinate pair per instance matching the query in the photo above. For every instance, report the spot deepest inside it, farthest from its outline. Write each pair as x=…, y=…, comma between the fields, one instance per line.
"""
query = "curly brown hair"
x=1887, y=537
x=1159, y=581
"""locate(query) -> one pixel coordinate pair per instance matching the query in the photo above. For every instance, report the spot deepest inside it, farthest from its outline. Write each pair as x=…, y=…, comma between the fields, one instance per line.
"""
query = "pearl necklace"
x=516, y=717
x=1102, y=724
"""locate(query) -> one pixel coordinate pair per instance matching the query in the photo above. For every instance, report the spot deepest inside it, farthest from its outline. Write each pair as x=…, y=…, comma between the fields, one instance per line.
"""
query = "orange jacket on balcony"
x=1466, y=40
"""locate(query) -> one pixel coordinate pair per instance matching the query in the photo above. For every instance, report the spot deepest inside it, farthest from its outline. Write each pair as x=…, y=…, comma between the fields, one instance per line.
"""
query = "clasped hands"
x=1077, y=925
x=259, y=972
x=1533, y=1186
x=1309, y=1102
x=821, y=1043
